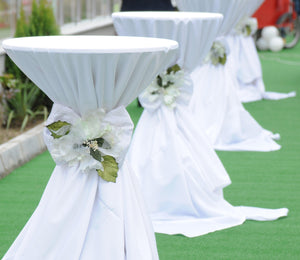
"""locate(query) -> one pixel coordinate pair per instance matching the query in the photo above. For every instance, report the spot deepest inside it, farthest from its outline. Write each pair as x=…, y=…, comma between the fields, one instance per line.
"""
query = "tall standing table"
x=91, y=78
x=215, y=101
x=245, y=58
x=181, y=176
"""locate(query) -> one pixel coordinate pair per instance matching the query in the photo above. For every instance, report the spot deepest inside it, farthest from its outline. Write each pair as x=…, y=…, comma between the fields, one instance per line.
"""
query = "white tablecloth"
x=181, y=176
x=186, y=28
x=247, y=64
x=81, y=216
x=233, y=10
x=215, y=101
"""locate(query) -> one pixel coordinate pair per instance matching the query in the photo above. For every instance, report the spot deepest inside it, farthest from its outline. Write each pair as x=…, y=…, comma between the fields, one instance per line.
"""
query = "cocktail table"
x=215, y=101
x=181, y=176
x=92, y=207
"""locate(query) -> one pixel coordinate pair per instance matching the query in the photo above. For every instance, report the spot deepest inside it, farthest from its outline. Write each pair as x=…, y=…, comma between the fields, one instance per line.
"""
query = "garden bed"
x=8, y=134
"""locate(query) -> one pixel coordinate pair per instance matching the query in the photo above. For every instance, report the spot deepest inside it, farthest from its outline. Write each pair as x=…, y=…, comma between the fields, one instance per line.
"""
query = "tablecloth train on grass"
x=246, y=64
x=215, y=101
x=181, y=176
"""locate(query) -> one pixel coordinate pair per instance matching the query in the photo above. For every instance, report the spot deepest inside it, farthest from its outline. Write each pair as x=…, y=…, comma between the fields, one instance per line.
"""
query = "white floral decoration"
x=166, y=88
x=247, y=26
x=218, y=53
x=91, y=143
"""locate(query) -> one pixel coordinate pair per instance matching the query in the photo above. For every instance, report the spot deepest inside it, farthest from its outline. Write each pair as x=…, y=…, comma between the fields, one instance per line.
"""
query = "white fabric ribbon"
x=178, y=93
x=115, y=127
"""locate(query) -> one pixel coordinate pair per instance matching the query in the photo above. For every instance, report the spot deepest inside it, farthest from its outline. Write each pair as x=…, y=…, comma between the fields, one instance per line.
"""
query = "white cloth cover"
x=186, y=28
x=252, y=6
x=182, y=178
x=215, y=101
x=219, y=111
x=84, y=73
x=233, y=10
x=247, y=64
x=247, y=68
x=81, y=216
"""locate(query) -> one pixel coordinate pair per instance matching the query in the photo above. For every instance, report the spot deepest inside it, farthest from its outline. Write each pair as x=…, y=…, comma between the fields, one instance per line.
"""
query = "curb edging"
x=21, y=149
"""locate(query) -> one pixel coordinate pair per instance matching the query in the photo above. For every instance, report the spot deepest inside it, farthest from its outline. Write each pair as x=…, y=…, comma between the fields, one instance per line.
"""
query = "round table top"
x=88, y=72
x=233, y=10
x=194, y=31
x=89, y=44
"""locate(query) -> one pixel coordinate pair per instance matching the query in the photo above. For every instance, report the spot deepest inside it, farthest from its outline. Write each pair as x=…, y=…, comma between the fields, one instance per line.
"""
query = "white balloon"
x=276, y=44
x=269, y=32
x=262, y=44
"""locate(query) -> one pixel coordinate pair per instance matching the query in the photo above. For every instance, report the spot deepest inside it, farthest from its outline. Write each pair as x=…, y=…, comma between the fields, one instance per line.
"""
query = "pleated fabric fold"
x=232, y=10
x=181, y=176
x=218, y=109
x=246, y=67
x=80, y=212
x=188, y=29
x=86, y=81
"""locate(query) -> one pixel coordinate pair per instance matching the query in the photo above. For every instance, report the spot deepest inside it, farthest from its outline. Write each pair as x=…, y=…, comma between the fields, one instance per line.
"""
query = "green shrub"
x=41, y=22
x=20, y=101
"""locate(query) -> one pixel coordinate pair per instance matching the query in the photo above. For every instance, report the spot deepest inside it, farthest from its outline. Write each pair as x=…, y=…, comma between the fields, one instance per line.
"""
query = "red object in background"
x=270, y=11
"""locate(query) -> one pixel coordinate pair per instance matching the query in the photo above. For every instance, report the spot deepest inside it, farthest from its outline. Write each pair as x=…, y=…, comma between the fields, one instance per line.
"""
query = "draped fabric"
x=186, y=28
x=87, y=78
x=252, y=6
x=218, y=110
x=81, y=216
x=247, y=67
x=181, y=176
x=215, y=101
x=233, y=10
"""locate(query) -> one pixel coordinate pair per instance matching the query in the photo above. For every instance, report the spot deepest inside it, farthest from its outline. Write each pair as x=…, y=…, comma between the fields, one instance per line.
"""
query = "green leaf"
x=159, y=81
x=223, y=59
x=59, y=128
x=169, y=83
x=96, y=154
x=9, y=119
x=248, y=30
x=24, y=123
x=102, y=143
x=174, y=68
x=111, y=168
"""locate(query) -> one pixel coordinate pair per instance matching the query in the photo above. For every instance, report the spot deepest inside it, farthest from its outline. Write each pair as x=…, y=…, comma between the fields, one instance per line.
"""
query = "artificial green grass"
x=20, y=193
x=269, y=180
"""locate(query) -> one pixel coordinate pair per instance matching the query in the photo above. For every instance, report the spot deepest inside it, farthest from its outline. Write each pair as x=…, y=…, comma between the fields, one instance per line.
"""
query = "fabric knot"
x=96, y=141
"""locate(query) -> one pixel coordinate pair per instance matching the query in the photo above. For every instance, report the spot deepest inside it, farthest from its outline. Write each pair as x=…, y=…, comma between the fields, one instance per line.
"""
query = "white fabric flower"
x=73, y=149
x=218, y=53
x=176, y=88
x=247, y=26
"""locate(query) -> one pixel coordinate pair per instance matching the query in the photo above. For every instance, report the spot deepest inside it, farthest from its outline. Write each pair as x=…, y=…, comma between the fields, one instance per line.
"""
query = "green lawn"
x=258, y=179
